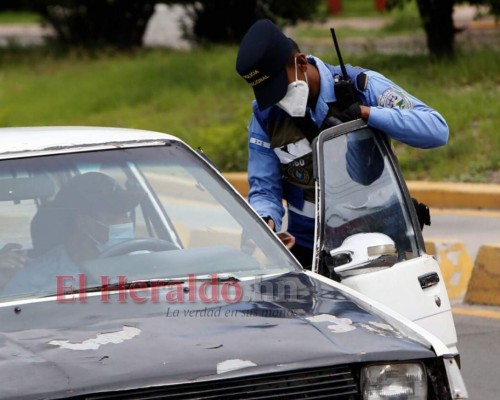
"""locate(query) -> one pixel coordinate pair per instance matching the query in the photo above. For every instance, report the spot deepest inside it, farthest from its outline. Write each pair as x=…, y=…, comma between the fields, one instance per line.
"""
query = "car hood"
x=52, y=349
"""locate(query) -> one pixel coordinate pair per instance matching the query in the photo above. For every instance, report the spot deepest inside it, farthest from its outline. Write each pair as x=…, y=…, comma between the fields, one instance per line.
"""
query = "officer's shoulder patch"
x=395, y=98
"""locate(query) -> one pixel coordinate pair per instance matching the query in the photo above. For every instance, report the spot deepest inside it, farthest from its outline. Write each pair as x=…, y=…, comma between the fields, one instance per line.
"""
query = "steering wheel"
x=136, y=245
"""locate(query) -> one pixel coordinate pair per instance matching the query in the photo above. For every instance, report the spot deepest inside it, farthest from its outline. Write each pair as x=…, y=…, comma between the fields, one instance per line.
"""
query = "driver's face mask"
x=295, y=101
x=117, y=233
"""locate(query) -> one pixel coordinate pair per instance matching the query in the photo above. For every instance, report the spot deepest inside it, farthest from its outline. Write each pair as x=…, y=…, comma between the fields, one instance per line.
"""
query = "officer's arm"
x=402, y=116
x=264, y=176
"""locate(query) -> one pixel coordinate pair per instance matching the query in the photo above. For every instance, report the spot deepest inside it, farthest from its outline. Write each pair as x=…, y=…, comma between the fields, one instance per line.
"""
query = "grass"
x=355, y=8
x=463, y=91
x=399, y=21
x=196, y=96
x=199, y=97
x=18, y=17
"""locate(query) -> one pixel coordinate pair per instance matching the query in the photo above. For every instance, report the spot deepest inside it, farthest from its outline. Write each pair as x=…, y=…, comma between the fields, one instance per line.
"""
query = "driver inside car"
x=89, y=215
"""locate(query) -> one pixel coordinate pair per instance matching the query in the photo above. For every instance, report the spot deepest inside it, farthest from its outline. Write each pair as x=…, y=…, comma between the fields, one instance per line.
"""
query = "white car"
x=131, y=269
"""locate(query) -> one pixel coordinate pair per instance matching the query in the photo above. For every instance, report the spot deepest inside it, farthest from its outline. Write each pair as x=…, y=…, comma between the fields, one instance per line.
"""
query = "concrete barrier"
x=456, y=195
x=434, y=194
x=484, y=285
x=455, y=264
x=239, y=180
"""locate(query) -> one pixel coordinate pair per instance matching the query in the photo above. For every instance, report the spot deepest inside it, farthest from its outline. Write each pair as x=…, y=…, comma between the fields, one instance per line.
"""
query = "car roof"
x=15, y=142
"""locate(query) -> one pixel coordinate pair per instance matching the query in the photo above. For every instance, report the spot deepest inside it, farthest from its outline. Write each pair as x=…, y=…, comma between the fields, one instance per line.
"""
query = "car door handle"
x=428, y=280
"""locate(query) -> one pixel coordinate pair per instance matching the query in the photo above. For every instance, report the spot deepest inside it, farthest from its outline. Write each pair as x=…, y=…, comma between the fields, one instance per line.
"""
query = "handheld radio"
x=344, y=87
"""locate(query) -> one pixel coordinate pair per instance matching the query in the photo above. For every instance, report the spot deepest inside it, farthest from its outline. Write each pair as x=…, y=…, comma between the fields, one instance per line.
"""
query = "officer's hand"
x=287, y=239
x=269, y=221
x=345, y=94
x=350, y=113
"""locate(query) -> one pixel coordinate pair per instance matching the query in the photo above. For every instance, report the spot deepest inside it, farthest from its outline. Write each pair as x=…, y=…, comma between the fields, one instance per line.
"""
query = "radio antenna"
x=337, y=49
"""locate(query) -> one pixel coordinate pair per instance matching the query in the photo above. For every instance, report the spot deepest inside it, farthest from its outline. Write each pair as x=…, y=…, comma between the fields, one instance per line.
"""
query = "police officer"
x=294, y=100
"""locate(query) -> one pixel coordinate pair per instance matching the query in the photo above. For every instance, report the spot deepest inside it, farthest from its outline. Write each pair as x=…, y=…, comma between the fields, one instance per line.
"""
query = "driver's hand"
x=11, y=258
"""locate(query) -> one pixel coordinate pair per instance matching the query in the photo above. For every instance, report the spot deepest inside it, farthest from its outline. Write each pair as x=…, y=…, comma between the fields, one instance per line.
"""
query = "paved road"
x=479, y=346
x=23, y=34
x=478, y=327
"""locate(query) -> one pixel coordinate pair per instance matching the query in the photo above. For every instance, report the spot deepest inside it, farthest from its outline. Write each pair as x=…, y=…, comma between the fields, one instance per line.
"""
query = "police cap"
x=262, y=57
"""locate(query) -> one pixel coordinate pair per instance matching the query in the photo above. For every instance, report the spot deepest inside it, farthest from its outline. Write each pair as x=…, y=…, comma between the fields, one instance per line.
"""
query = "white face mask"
x=295, y=101
x=117, y=233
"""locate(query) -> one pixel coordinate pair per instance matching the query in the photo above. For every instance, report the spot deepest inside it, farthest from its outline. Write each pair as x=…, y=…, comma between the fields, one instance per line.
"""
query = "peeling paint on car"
x=233, y=365
x=337, y=325
x=127, y=333
x=381, y=329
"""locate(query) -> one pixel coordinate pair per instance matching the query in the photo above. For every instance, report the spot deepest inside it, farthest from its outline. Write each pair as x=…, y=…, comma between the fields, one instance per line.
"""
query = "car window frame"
x=318, y=162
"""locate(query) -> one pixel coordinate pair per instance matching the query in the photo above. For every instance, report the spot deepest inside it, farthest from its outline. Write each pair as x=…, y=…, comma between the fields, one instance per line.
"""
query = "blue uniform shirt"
x=400, y=115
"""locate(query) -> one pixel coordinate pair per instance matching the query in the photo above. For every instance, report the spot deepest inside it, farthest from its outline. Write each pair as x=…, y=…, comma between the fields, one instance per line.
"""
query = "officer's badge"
x=395, y=98
x=299, y=174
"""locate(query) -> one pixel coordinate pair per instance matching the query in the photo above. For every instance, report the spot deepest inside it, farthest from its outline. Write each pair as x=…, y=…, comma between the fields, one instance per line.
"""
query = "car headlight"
x=394, y=381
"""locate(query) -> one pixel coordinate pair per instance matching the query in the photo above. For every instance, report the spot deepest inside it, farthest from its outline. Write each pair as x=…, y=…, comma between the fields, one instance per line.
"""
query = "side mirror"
x=364, y=250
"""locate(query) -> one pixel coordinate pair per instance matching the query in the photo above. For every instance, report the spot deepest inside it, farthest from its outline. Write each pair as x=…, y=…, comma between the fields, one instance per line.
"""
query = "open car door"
x=367, y=232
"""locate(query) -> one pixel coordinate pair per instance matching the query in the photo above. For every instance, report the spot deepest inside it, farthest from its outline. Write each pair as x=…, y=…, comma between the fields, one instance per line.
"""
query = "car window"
x=187, y=221
x=16, y=217
x=362, y=193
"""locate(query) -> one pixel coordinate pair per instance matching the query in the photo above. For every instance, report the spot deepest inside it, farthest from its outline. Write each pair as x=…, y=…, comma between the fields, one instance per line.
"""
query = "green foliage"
x=121, y=23
x=18, y=17
x=358, y=8
x=400, y=21
x=404, y=22
x=436, y=16
x=199, y=97
x=494, y=5
x=463, y=91
x=93, y=23
x=12, y=5
x=392, y=4
x=195, y=96
x=236, y=16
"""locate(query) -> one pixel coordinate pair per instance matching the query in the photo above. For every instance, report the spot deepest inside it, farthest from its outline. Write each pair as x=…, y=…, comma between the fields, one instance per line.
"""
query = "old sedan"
x=131, y=269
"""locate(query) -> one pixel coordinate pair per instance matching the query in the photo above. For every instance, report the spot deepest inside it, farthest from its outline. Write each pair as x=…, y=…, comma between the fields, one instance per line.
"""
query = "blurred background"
x=170, y=67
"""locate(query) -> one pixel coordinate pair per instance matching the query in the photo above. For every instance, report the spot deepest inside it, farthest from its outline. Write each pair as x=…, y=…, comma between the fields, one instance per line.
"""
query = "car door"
x=368, y=235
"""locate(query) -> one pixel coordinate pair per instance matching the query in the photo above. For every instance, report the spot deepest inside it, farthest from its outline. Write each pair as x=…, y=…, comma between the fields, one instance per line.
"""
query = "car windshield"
x=136, y=214
x=362, y=193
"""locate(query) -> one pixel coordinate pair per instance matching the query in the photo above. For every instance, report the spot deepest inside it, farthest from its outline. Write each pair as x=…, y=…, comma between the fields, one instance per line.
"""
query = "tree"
x=90, y=23
x=121, y=23
x=437, y=20
x=227, y=21
x=14, y=5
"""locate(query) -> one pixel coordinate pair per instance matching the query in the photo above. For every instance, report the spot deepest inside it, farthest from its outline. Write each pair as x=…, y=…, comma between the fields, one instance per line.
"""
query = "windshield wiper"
x=126, y=285
x=149, y=283
x=218, y=277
